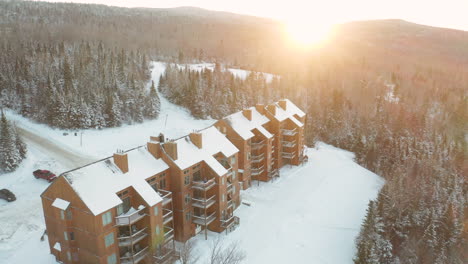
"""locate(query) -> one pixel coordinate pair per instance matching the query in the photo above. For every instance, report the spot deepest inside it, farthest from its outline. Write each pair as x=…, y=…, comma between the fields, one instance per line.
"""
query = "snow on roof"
x=60, y=204
x=57, y=246
x=291, y=110
x=244, y=126
x=98, y=183
x=213, y=142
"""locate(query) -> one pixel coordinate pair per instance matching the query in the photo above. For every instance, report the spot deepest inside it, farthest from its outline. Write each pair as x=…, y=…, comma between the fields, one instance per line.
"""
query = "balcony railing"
x=289, y=144
x=229, y=187
x=203, y=185
x=167, y=216
x=230, y=204
x=133, y=239
x=203, y=219
x=258, y=144
x=135, y=258
x=163, y=254
x=289, y=132
x=202, y=202
x=257, y=158
x=166, y=196
x=230, y=222
x=288, y=155
x=273, y=173
x=168, y=233
x=257, y=171
x=130, y=217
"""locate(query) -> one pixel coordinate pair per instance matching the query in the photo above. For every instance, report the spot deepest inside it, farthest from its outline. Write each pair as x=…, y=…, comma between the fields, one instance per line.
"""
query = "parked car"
x=7, y=195
x=44, y=174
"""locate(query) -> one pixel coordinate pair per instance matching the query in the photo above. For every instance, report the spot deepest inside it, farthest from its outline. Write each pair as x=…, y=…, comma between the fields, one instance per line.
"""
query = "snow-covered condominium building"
x=267, y=137
x=203, y=169
x=115, y=210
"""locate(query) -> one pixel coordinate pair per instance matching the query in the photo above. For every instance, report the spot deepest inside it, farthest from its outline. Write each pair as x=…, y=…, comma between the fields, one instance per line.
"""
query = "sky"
x=441, y=13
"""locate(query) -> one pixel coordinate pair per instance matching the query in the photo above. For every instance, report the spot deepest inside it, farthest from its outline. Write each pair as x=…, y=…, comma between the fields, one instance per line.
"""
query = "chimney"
x=171, y=149
x=283, y=104
x=121, y=160
x=154, y=148
x=196, y=139
x=272, y=109
x=247, y=113
x=260, y=108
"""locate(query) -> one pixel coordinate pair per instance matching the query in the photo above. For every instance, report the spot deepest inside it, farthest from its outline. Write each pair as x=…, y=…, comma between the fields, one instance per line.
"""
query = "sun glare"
x=307, y=34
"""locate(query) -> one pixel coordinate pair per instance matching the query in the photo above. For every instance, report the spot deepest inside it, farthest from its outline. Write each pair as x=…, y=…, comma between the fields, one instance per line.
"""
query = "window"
x=197, y=176
x=119, y=209
x=187, y=180
x=186, y=171
x=112, y=259
x=234, y=188
x=187, y=199
x=72, y=236
x=223, y=198
x=68, y=255
x=248, y=155
x=188, y=216
x=234, y=174
x=109, y=239
x=157, y=231
x=65, y=236
x=106, y=218
x=156, y=210
x=233, y=160
x=62, y=215
x=162, y=183
x=222, y=181
x=126, y=204
x=69, y=214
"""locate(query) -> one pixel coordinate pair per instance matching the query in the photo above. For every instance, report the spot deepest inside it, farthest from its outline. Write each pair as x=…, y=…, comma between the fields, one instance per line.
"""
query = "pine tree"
x=10, y=156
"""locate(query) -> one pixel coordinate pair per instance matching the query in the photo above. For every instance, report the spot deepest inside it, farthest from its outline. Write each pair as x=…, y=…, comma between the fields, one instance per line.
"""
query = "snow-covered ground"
x=310, y=215
x=239, y=73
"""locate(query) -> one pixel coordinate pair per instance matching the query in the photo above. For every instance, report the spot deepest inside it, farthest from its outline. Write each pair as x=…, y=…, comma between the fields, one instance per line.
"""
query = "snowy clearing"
x=312, y=214
x=238, y=73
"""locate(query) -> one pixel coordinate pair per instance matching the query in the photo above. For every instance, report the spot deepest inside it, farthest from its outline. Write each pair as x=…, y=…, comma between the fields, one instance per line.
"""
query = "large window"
x=62, y=215
x=158, y=230
x=187, y=180
x=162, y=183
x=156, y=210
x=188, y=216
x=109, y=239
x=72, y=236
x=187, y=199
x=106, y=218
x=197, y=175
x=65, y=236
x=233, y=160
x=112, y=259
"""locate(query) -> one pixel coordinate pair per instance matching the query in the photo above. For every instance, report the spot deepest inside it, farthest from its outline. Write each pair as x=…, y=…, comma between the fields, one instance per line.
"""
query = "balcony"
x=230, y=223
x=203, y=202
x=125, y=241
x=166, y=196
x=168, y=216
x=203, y=185
x=230, y=204
x=289, y=132
x=258, y=145
x=257, y=158
x=203, y=219
x=164, y=254
x=135, y=258
x=168, y=233
x=288, y=155
x=230, y=187
x=289, y=144
x=130, y=217
x=273, y=173
x=257, y=171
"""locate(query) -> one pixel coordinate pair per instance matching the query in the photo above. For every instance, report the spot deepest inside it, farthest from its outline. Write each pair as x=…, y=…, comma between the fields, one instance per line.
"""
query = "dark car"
x=7, y=195
x=44, y=174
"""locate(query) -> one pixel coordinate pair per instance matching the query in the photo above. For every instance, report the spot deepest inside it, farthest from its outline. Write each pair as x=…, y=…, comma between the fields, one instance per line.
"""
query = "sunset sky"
x=446, y=13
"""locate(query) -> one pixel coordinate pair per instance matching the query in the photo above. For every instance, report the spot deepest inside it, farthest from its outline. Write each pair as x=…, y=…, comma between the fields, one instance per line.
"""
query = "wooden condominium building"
x=204, y=180
x=116, y=210
x=268, y=137
x=128, y=208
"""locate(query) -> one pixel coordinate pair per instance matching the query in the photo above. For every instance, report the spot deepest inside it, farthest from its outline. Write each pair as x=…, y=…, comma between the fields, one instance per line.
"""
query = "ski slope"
x=310, y=215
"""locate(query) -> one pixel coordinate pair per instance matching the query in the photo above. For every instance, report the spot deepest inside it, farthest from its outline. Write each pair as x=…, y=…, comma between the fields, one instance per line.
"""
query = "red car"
x=44, y=174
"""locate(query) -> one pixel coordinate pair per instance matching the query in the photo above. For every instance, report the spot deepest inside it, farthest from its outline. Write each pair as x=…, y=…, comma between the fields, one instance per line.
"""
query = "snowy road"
x=69, y=159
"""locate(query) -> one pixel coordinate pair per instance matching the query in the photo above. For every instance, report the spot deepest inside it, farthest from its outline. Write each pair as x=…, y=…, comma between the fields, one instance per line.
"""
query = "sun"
x=307, y=34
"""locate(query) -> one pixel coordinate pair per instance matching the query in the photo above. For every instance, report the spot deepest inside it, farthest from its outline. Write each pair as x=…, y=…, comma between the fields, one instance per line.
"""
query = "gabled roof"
x=243, y=126
x=291, y=110
x=213, y=142
x=97, y=184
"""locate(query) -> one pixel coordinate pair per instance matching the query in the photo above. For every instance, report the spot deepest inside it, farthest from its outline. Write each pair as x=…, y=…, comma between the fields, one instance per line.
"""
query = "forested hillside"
x=393, y=92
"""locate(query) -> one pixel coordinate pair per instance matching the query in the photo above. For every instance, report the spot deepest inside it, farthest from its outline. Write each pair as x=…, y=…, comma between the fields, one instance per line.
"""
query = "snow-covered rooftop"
x=213, y=142
x=291, y=110
x=60, y=204
x=98, y=183
x=57, y=246
x=243, y=126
